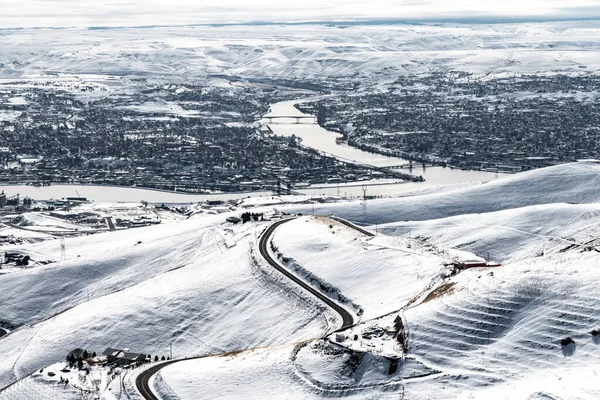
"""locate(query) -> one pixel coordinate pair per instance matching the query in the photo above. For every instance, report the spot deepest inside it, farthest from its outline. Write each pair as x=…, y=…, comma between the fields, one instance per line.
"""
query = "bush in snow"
x=566, y=341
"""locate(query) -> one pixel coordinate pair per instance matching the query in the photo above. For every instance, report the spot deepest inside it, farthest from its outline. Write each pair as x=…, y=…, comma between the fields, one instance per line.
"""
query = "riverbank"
x=121, y=194
x=326, y=142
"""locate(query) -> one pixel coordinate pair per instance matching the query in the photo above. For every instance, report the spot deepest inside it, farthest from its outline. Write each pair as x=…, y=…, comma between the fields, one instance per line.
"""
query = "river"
x=312, y=136
x=321, y=139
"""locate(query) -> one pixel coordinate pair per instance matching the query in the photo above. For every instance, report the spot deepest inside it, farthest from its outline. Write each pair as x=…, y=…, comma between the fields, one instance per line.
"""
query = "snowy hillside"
x=566, y=183
x=376, y=275
x=145, y=289
x=492, y=333
x=510, y=235
x=503, y=327
x=424, y=328
x=483, y=333
x=307, y=52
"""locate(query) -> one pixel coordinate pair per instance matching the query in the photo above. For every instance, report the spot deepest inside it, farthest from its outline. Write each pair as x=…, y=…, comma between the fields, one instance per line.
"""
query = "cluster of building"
x=508, y=123
x=181, y=137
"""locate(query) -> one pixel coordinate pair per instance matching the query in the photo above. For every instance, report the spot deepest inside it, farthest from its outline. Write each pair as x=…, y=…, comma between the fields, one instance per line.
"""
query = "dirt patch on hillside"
x=443, y=289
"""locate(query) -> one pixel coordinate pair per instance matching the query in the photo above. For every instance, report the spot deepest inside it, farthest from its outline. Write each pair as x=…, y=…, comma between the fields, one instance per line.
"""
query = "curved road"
x=347, y=318
x=143, y=379
x=353, y=226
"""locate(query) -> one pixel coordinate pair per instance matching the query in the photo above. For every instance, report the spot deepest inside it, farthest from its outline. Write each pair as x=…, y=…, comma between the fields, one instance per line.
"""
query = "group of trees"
x=78, y=361
x=247, y=217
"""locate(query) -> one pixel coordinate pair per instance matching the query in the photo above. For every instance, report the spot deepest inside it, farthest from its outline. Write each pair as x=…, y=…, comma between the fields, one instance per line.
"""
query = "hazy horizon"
x=113, y=13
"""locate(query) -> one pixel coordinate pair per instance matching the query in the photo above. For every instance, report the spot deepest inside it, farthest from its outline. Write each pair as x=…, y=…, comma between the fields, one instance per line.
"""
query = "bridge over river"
x=280, y=119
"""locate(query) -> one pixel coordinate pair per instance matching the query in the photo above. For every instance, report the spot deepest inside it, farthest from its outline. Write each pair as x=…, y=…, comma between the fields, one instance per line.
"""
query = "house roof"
x=134, y=357
x=112, y=352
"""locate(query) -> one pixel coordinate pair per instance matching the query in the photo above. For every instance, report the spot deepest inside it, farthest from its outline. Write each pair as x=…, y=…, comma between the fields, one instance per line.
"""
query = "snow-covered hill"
x=481, y=333
x=382, y=274
x=512, y=234
x=144, y=289
x=566, y=183
x=307, y=52
x=484, y=333
x=497, y=334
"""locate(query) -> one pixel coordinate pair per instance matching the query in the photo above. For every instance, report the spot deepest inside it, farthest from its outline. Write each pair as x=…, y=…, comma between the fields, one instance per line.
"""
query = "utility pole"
x=63, y=249
x=171, y=350
x=364, y=189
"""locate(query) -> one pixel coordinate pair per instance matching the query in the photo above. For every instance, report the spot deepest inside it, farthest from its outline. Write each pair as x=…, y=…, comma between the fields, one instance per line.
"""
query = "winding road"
x=352, y=226
x=143, y=379
x=347, y=318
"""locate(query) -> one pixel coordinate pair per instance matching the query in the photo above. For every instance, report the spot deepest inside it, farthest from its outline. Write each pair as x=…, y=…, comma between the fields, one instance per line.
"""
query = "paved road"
x=143, y=379
x=353, y=226
x=347, y=318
